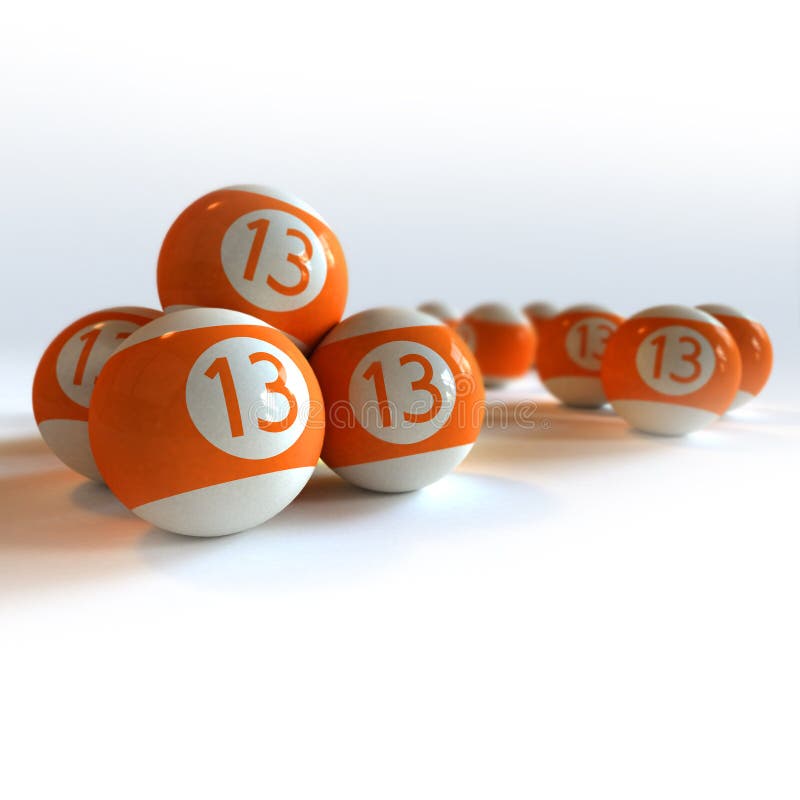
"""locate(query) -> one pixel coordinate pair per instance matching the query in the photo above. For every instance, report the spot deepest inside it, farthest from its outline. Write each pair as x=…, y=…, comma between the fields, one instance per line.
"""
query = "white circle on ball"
x=274, y=260
x=586, y=341
x=402, y=392
x=675, y=360
x=85, y=353
x=247, y=398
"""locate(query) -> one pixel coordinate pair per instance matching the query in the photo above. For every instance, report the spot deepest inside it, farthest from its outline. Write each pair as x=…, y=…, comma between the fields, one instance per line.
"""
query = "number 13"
x=374, y=372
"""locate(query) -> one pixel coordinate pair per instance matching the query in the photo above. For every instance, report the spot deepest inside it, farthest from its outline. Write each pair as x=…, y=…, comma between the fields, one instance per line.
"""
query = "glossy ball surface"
x=671, y=370
x=65, y=379
x=503, y=341
x=755, y=349
x=403, y=399
x=571, y=348
x=206, y=422
x=259, y=251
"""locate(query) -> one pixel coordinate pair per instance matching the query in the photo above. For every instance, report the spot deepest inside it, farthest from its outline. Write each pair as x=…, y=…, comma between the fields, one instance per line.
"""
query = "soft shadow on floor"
x=538, y=432
x=538, y=417
x=59, y=529
x=21, y=455
x=60, y=510
x=334, y=531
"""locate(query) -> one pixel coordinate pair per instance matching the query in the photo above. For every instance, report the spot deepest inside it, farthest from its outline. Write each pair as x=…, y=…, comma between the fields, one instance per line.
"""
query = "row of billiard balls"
x=666, y=370
x=208, y=421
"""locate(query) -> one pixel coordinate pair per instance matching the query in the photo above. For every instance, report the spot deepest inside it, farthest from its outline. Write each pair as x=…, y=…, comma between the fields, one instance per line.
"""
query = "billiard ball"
x=206, y=422
x=571, y=348
x=65, y=378
x=442, y=311
x=403, y=398
x=671, y=370
x=755, y=348
x=538, y=314
x=260, y=251
x=503, y=341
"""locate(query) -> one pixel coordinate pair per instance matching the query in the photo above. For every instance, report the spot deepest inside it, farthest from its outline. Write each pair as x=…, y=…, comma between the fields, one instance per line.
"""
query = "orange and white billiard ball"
x=671, y=370
x=538, y=314
x=571, y=347
x=755, y=349
x=403, y=399
x=503, y=341
x=206, y=422
x=65, y=378
x=442, y=311
x=260, y=251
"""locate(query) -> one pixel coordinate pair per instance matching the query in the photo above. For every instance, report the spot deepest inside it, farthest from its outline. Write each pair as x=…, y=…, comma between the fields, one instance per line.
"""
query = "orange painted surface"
x=190, y=270
x=503, y=350
x=622, y=380
x=143, y=438
x=49, y=400
x=347, y=442
x=553, y=360
x=537, y=324
x=755, y=348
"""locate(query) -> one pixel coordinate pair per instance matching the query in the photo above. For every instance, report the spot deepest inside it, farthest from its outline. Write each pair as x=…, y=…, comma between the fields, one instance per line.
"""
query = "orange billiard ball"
x=755, y=348
x=671, y=370
x=65, y=380
x=571, y=347
x=538, y=314
x=503, y=341
x=442, y=311
x=403, y=399
x=260, y=251
x=206, y=421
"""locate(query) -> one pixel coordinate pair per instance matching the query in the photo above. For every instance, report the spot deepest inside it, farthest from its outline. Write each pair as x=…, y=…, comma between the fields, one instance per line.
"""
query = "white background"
x=580, y=611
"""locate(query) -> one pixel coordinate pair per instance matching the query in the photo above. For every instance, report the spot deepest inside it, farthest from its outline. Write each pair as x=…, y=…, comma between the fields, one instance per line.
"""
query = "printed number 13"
x=221, y=368
x=261, y=226
x=374, y=372
x=693, y=358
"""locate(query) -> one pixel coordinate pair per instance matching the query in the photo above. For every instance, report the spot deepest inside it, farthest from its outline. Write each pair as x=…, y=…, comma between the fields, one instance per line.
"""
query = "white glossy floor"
x=578, y=608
